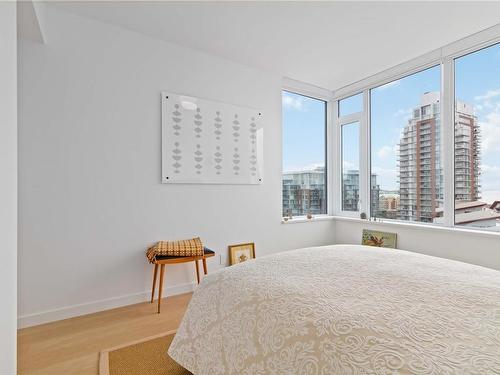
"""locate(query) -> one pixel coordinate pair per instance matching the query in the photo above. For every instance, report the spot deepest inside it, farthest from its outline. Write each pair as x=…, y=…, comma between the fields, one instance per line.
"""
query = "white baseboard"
x=29, y=320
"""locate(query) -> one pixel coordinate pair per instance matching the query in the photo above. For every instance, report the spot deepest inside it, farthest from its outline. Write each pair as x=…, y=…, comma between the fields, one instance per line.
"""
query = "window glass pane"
x=350, y=105
x=406, y=165
x=477, y=139
x=304, y=151
x=350, y=167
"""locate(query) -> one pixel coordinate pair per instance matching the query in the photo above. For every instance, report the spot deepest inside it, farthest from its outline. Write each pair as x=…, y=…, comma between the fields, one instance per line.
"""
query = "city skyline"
x=477, y=83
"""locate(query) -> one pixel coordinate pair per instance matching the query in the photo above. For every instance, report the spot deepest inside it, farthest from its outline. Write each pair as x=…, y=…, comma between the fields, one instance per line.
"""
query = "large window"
x=304, y=155
x=416, y=143
x=407, y=181
x=477, y=139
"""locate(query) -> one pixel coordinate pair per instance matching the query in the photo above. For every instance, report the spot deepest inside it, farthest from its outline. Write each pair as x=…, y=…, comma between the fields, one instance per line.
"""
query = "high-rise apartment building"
x=467, y=156
x=420, y=164
x=350, y=191
x=304, y=192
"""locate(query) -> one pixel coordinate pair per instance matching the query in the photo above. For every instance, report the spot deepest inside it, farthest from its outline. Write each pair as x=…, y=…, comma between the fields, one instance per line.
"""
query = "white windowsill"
x=412, y=225
x=304, y=219
x=420, y=226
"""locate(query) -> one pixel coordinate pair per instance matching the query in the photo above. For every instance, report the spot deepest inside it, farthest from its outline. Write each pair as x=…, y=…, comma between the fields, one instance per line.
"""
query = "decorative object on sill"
x=289, y=212
x=241, y=253
x=285, y=219
x=379, y=239
x=309, y=216
x=363, y=215
x=182, y=248
x=162, y=261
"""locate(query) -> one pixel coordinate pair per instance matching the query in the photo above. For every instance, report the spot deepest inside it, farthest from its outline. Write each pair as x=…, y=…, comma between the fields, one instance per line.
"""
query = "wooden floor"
x=72, y=346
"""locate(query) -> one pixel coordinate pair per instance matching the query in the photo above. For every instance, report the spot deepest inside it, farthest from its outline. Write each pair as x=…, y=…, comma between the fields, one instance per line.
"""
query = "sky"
x=477, y=83
x=303, y=132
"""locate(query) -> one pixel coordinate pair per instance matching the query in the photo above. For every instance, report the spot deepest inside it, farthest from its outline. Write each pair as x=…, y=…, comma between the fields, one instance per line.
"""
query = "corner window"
x=304, y=155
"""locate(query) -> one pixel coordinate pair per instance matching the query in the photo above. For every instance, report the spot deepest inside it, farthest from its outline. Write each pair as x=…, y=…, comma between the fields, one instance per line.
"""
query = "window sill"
x=303, y=219
x=421, y=226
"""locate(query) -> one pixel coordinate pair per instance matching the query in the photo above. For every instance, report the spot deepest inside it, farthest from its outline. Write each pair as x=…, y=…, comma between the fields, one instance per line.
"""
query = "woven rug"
x=145, y=357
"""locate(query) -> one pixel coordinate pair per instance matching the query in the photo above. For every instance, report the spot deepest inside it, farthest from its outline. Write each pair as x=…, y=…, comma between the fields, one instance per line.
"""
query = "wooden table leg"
x=160, y=287
x=204, y=265
x=197, y=271
x=155, y=272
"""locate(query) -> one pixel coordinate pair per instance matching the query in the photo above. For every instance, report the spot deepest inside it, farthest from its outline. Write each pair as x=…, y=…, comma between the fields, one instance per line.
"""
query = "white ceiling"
x=329, y=44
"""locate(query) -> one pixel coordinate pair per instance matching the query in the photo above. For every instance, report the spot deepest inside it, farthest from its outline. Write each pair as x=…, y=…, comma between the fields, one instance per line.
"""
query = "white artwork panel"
x=210, y=142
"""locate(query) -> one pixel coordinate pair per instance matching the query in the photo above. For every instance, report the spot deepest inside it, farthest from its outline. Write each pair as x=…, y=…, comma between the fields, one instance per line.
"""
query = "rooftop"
x=471, y=217
x=461, y=205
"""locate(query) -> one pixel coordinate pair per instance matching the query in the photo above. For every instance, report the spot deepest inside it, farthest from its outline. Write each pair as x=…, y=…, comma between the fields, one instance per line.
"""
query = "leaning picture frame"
x=379, y=239
x=241, y=252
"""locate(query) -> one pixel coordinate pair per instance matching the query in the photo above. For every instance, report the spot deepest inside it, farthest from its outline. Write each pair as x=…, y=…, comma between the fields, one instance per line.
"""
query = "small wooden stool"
x=162, y=261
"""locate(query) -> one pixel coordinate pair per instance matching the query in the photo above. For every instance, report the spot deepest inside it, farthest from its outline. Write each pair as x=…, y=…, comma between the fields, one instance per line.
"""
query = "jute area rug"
x=145, y=357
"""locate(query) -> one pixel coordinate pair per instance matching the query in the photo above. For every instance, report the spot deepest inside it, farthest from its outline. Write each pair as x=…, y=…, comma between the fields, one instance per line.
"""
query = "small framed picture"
x=379, y=239
x=241, y=253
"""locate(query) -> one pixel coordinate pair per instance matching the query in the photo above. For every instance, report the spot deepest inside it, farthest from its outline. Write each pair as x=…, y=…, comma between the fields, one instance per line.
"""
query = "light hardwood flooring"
x=72, y=346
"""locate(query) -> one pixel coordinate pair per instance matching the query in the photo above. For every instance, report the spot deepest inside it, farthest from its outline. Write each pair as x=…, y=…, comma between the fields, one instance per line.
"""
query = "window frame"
x=342, y=169
x=340, y=121
x=444, y=57
x=313, y=92
x=348, y=97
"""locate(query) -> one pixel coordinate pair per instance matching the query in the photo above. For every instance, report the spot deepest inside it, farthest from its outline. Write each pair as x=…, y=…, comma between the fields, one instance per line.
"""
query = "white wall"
x=470, y=247
x=8, y=186
x=90, y=197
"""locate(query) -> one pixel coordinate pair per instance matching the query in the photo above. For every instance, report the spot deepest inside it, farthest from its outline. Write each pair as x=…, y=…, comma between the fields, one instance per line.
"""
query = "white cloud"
x=293, y=103
x=405, y=113
x=389, y=85
x=385, y=151
x=490, y=132
x=487, y=100
x=490, y=168
x=306, y=167
x=386, y=178
x=489, y=94
x=490, y=181
x=385, y=172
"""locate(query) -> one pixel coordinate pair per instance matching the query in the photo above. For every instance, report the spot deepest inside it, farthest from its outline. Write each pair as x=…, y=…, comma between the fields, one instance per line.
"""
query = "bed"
x=343, y=309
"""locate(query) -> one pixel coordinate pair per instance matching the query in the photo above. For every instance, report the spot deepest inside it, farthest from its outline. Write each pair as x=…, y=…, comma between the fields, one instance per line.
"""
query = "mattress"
x=343, y=309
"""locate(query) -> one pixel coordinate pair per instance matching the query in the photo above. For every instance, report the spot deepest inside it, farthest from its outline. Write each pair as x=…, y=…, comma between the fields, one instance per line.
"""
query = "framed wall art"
x=209, y=142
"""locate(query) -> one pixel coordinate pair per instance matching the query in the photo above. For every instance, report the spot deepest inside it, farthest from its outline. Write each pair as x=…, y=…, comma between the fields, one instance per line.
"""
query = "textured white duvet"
x=343, y=310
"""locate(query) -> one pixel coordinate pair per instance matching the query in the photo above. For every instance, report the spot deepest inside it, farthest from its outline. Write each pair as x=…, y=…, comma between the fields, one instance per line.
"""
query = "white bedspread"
x=343, y=310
